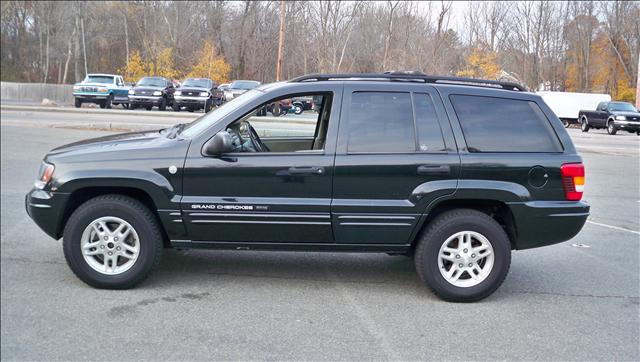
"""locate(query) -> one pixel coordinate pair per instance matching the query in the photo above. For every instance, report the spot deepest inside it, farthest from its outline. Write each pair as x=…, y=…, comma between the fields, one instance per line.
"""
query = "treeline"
x=585, y=46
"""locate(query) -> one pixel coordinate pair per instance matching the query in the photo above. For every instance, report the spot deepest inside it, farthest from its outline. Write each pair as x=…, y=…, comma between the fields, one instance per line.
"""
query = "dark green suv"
x=455, y=172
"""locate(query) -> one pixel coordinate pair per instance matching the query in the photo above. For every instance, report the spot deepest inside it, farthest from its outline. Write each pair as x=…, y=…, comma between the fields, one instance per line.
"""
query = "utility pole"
x=638, y=86
x=280, y=42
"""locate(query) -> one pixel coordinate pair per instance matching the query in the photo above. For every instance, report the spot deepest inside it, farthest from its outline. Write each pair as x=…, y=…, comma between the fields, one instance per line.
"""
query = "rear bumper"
x=541, y=223
x=46, y=210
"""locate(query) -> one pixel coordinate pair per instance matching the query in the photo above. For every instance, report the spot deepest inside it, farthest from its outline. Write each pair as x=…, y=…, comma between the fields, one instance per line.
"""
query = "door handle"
x=434, y=170
x=306, y=170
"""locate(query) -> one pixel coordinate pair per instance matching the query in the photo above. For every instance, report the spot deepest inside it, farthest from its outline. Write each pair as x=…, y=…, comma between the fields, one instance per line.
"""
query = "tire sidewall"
x=502, y=259
x=73, y=235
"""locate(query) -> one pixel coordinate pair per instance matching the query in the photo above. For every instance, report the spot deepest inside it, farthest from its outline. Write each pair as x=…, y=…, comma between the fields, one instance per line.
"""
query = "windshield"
x=622, y=106
x=201, y=83
x=151, y=82
x=244, y=84
x=98, y=79
x=204, y=122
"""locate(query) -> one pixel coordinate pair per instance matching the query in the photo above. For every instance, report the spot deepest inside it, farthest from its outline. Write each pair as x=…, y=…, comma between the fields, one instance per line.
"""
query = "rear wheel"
x=565, y=122
x=148, y=108
x=463, y=256
x=297, y=108
x=112, y=241
x=584, y=124
x=611, y=128
x=78, y=103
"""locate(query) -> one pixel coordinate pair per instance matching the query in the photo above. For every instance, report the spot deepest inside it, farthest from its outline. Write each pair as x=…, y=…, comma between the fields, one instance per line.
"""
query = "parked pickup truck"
x=613, y=116
x=103, y=89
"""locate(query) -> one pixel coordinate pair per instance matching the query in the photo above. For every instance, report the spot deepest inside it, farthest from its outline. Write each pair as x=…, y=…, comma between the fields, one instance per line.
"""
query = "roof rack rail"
x=411, y=76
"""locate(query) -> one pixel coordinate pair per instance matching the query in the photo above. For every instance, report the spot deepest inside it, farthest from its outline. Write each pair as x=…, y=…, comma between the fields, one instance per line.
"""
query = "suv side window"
x=429, y=133
x=381, y=122
x=492, y=124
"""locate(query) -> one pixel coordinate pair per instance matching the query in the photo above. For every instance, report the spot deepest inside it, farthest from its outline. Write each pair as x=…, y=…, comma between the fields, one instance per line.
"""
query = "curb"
x=112, y=112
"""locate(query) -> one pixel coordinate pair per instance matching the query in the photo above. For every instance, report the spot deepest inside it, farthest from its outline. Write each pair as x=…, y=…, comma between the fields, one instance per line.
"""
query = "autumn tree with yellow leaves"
x=481, y=64
x=210, y=65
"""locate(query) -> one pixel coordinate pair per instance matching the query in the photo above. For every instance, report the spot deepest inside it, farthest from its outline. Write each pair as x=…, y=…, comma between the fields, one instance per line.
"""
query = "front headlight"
x=76, y=87
x=132, y=92
x=178, y=93
x=157, y=93
x=44, y=175
x=102, y=90
x=204, y=94
x=621, y=118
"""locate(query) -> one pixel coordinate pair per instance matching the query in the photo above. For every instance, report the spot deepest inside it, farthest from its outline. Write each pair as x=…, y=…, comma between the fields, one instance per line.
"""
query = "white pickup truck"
x=102, y=89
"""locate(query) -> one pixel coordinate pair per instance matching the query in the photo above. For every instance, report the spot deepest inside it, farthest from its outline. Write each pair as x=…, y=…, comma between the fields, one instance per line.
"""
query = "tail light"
x=573, y=180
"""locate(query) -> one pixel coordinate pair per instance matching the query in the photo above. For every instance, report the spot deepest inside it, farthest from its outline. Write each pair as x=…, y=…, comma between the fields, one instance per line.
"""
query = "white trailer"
x=567, y=105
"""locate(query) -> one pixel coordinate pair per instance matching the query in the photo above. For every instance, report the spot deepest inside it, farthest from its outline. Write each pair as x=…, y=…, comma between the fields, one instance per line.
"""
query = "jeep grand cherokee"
x=455, y=172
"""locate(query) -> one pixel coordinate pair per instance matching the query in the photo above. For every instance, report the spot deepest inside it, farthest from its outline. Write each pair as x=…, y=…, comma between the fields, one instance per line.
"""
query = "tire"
x=276, y=110
x=638, y=133
x=611, y=128
x=132, y=106
x=297, y=108
x=77, y=102
x=584, y=124
x=190, y=109
x=148, y=108
x=125, y=105
x=565, y=122
x=103, y=104
x=445, y=227
x=207, y=106
x=175, y=107
x=111, y=207
x=108, y=102
x=163, y=105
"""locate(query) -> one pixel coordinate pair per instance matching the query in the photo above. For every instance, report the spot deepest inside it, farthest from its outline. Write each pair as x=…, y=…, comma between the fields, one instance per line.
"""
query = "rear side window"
x=381, y=122
x=494, y=124
x=429, y=132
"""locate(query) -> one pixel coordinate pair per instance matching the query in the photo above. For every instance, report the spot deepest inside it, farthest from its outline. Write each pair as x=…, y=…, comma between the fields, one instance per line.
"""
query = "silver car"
x=238, y=87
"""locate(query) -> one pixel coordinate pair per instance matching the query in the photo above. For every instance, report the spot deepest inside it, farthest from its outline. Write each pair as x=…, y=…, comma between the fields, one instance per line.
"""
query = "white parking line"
x=613, y=227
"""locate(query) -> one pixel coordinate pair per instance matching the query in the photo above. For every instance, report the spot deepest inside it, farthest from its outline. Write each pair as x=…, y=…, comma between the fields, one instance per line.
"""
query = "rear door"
x=395, y=155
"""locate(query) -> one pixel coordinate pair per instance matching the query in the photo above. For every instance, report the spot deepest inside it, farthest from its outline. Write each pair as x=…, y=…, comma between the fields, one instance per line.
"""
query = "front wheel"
x=463, y=256
x=175, y=107
x=108, y=102
x=77, y=103
x=112, y=241
x=584, y=125
x=611, y=128
x=565, y=122
x=207, y=106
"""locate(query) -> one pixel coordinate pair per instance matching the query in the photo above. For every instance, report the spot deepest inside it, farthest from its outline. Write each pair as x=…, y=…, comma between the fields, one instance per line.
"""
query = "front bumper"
x=540, y=223
x=47, y=210
x=190, y=101
x=145, y=100
x=87, y=96
x=627, y=125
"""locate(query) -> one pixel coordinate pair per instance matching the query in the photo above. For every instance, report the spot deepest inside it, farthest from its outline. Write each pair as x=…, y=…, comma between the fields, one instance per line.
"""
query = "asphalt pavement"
x=560, y=302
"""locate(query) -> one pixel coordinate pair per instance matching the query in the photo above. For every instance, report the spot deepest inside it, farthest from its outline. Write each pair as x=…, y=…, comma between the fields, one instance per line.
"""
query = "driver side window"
x=293, y=123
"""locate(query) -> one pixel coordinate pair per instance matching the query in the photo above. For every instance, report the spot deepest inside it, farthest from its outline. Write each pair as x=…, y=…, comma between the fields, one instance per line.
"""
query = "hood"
x=146, y=87
x=193, y=89
x=625, y=113
x=117, y=142
x=92, y=84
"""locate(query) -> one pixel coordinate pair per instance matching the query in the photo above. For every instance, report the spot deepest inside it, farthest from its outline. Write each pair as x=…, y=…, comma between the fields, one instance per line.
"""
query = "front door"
x=395, y=154
x=276, y=191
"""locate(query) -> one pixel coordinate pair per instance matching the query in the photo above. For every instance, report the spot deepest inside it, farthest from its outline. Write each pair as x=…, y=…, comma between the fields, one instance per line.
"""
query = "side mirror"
x=220, y=144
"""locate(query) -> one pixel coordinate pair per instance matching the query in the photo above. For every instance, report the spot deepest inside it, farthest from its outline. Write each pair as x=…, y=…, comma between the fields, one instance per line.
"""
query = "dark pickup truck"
x=613, y=116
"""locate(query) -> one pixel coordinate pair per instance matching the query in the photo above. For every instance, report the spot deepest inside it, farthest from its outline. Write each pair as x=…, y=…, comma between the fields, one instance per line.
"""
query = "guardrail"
x=36, y=92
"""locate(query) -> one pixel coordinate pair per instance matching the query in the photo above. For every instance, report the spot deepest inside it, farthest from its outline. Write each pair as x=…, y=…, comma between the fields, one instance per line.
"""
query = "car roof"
x=101, y=75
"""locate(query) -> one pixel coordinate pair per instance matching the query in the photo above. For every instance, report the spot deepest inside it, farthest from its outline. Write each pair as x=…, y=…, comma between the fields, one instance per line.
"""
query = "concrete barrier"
x=36, y=92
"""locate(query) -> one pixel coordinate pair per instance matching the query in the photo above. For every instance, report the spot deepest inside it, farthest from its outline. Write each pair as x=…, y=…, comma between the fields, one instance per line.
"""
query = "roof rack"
x=412, y=76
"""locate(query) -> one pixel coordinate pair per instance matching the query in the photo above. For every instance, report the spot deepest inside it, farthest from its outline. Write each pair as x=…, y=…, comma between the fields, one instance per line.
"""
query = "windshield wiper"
x=175, y=130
